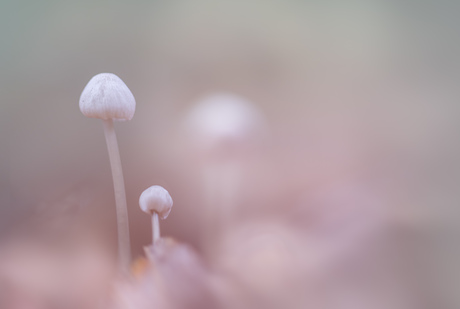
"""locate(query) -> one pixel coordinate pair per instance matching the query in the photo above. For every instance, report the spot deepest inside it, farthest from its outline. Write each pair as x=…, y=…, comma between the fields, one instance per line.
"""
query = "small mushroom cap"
x=156, y=199
x=106, y=96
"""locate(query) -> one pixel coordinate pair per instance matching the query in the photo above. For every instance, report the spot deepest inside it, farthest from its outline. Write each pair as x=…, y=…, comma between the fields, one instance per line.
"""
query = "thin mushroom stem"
x=124, y=251
x=155, y=227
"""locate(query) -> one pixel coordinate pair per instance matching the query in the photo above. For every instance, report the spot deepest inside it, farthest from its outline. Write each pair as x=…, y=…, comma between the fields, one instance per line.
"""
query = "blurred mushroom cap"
x=222, y=119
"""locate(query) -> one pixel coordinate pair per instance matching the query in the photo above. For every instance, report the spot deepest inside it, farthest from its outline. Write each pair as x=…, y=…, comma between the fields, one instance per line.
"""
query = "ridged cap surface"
x=106, y=96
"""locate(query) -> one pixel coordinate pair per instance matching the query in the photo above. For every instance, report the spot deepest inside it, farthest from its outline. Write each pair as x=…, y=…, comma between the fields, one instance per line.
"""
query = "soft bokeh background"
x=354, y=93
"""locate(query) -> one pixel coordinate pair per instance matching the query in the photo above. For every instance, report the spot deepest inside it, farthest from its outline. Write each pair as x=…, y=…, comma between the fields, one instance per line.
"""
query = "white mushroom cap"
x=222, y=118
x=106, y=96
x=156, y=199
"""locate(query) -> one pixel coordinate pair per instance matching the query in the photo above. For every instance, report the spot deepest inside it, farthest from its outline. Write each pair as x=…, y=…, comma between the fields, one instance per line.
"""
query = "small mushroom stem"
x=155, y=227
x=124, y=251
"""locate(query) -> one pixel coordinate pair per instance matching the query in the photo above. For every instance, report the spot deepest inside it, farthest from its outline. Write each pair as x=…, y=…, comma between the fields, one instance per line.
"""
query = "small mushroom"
x=157, y=202
x=108, y=98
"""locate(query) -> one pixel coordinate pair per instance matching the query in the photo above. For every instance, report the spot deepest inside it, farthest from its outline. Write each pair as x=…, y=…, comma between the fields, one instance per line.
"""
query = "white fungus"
x=105, y=97
x=108, y=98
x=156, y=199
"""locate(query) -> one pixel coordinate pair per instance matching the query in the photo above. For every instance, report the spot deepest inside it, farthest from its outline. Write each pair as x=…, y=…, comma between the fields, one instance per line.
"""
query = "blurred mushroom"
x=223, y=130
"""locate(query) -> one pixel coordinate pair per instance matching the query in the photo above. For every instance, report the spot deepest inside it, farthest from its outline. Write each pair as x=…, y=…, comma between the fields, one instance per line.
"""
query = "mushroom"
x=108, y=98
x=157, y=202
x=224, y=130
